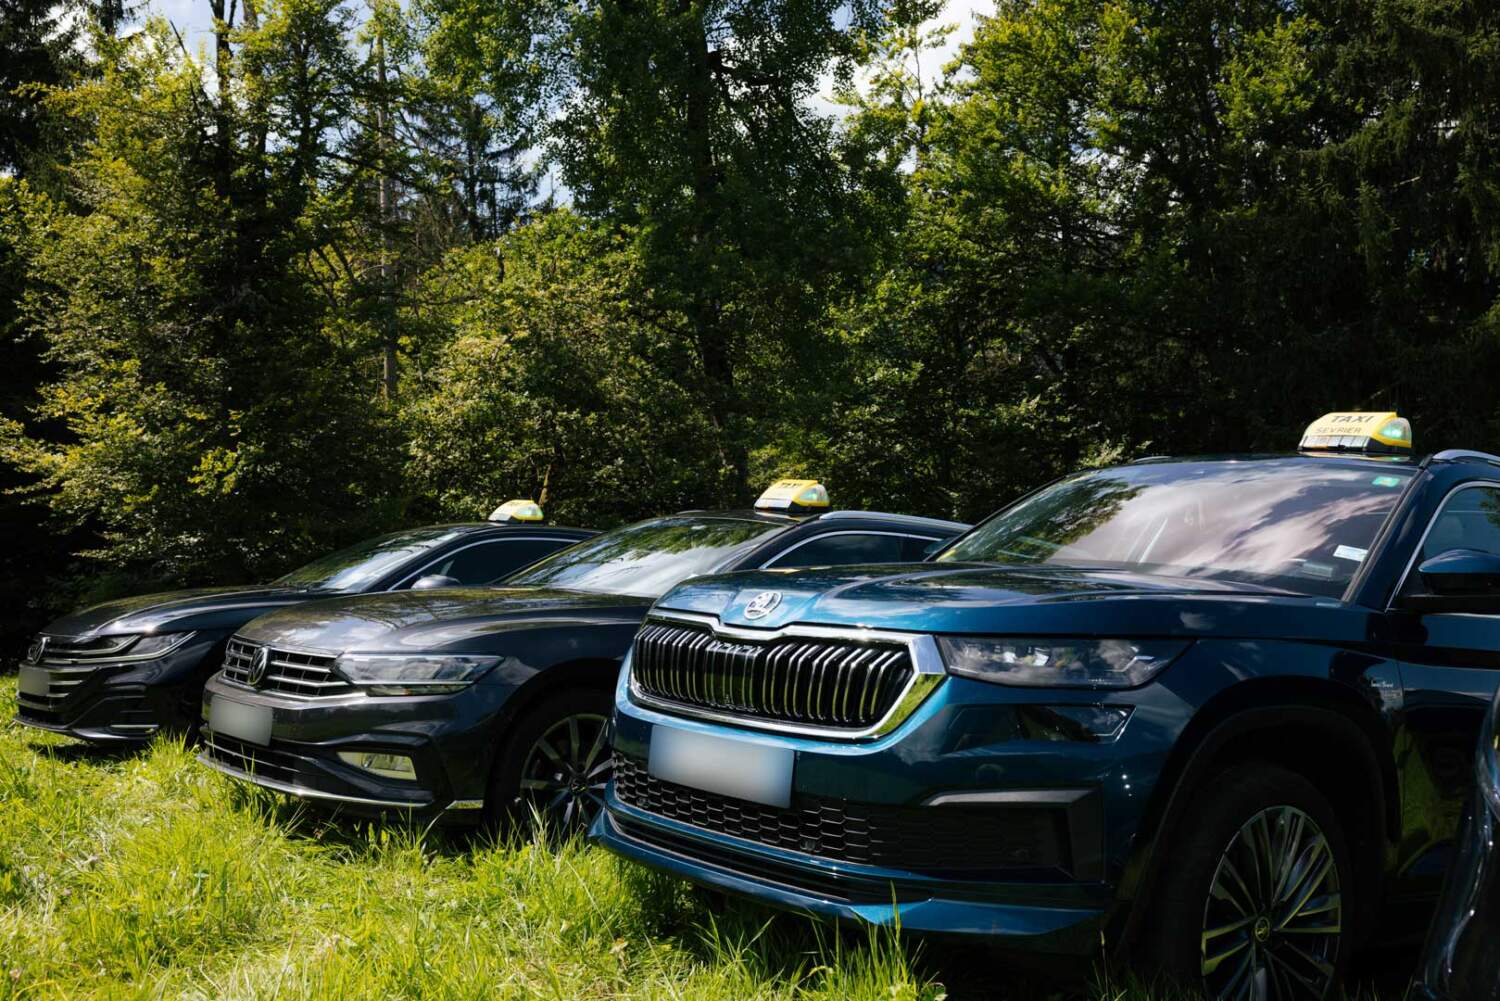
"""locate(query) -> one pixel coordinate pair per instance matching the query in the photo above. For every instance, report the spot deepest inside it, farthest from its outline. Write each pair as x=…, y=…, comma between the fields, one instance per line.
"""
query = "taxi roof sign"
x=1384, y=433
x=517, y=510
x=793, y=495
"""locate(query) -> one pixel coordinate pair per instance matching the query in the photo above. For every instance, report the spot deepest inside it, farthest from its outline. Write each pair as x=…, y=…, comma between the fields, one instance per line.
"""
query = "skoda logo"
x=258, y=665
x=37, y=650
x=762, y=604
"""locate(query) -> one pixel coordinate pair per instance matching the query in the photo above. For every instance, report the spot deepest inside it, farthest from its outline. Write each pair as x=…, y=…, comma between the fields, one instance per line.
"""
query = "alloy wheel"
x=565, y=772
x=1273, y=920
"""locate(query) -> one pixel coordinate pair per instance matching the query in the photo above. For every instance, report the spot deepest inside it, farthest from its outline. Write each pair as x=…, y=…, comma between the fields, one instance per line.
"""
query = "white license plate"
x=738, y=768
x=251, y=724
x=33, y=681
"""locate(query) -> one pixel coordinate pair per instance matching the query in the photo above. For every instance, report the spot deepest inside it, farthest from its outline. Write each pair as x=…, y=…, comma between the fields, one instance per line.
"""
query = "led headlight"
x=1063, y=663
x=156, y=644
x=413, y=674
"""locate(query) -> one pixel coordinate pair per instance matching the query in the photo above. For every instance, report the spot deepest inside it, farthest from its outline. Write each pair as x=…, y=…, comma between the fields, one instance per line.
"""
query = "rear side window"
x=848, y=548
x=489, y=562
x=1470, y=519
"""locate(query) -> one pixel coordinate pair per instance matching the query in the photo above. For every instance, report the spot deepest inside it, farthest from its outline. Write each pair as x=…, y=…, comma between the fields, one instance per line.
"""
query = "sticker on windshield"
x=1351, y=553
x=1387, y=481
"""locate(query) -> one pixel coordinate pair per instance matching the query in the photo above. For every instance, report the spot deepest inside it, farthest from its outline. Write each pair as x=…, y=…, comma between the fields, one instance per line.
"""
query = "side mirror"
x=931, y=549
x=1459, y=580
x=433, y=580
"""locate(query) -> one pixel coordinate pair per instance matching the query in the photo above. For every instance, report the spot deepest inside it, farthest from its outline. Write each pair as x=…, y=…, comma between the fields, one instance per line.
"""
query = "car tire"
x=554, y=765
x=1256, y=893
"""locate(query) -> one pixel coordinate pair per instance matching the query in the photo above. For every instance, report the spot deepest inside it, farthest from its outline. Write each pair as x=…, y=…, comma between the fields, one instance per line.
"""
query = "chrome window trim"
x=1416, y=552
x=406, y=582
x=927, y=674
x=771, y=563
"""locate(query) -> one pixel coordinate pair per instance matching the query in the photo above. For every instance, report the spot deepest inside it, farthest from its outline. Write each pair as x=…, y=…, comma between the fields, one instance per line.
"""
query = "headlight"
x=156, y=644
x=1049, y=663
x=413, y=674
x=120, y=649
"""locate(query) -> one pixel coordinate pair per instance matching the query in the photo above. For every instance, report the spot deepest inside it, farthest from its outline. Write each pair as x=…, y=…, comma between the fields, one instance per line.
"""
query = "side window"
x=490, y=561
x=848, y=548
x=1470, y=519
x=914, y=549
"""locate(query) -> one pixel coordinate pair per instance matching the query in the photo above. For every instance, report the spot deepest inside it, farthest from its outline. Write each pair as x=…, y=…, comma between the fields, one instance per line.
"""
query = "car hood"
x=176, y=611
x=459, y=619
x=980, y=598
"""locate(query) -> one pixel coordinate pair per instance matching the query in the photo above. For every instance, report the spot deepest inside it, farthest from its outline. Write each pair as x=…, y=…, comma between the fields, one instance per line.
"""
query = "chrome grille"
x=291, y=673
x=839, y=684
x=62, y=650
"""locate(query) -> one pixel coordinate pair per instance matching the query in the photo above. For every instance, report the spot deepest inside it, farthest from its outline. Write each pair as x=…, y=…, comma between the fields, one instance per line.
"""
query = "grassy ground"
x=148, y=876
x=145, y=875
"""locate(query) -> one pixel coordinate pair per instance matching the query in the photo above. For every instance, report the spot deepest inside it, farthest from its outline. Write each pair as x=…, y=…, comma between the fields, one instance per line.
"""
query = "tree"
x=693, y=125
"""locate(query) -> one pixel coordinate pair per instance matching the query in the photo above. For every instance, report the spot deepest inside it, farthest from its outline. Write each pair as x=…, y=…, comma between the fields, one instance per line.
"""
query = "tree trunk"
x=389, y=374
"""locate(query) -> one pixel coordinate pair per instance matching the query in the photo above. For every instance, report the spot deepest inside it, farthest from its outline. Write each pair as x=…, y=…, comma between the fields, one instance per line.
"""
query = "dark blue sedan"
x=1218, y=713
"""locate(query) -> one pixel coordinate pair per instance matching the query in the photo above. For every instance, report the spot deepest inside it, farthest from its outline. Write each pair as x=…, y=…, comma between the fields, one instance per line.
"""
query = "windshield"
x=363, y=563
x=1290, y=524
x=647, y=558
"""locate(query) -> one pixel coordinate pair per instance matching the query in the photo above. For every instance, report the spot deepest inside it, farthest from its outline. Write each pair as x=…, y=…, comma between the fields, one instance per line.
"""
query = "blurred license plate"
x=728, y=767
x=251, y=724
x=33, y=681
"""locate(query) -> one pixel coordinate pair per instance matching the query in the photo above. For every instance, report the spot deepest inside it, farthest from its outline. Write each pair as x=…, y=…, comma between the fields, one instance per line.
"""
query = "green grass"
x=146, y=875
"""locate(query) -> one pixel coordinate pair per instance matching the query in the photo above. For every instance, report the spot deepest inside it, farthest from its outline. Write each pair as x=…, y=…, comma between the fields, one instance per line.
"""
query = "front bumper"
x=972, y=818
x=449, y=739
x=124, y=703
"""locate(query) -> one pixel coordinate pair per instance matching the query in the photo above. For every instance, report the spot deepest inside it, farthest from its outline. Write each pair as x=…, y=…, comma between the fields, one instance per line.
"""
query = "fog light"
x=391, y=766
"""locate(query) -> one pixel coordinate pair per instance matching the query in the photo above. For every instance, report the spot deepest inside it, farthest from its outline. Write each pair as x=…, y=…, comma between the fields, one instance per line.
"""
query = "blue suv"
x=1218, y=712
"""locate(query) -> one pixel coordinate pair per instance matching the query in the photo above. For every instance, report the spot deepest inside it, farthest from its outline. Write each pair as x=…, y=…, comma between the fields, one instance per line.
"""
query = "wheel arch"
x=1319, y=729
x=594, y=672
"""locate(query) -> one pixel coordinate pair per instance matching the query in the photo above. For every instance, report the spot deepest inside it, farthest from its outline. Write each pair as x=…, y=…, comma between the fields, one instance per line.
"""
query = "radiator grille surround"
x=841, y=683
x=288, y=672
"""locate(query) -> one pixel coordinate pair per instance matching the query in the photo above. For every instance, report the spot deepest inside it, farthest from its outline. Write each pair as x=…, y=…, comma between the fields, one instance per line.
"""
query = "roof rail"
x=1466, y=455
x=1150, y=458
x=908, y=519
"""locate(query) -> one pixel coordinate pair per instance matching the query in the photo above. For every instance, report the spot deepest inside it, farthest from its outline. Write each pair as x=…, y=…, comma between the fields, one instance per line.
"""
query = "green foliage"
x=314, y=289
x=211, y=427
x=552, y=385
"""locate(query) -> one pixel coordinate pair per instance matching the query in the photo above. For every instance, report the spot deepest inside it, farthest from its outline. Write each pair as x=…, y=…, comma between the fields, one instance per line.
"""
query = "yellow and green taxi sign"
x=1386, y=433
x=517, y=510
x=793, y=495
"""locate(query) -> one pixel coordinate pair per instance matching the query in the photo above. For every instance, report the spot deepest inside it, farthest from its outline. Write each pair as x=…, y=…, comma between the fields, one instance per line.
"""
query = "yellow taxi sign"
x=1358, y=432
x=793, y=495
x=517, y=510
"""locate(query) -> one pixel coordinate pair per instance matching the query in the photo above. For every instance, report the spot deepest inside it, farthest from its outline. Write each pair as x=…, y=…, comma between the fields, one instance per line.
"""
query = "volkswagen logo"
x=762, y=604
x=37, y=650
x=258, y=665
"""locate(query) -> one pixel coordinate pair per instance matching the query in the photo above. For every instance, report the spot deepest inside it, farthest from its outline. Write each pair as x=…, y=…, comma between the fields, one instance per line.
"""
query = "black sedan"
x=492, y=701
x=121, y=671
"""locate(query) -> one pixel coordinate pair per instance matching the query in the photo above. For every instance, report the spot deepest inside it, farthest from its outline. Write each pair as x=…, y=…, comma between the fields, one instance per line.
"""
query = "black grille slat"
x=930, y=839
x=288, y=672
x=830, y=683
x=250, y=759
